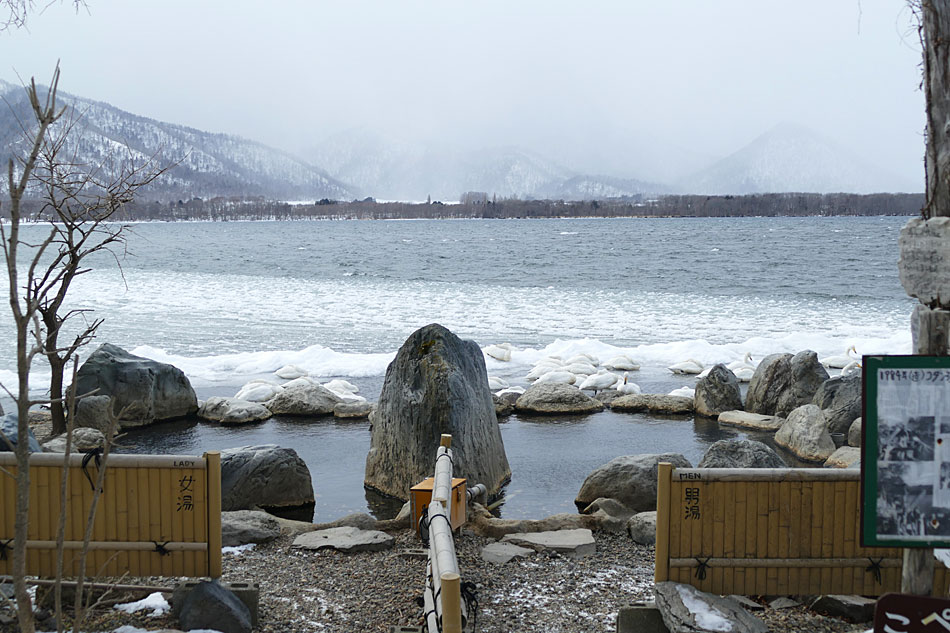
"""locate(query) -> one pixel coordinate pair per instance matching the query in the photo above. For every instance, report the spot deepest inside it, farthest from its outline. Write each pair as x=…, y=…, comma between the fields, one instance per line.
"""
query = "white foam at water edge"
x=320, y=361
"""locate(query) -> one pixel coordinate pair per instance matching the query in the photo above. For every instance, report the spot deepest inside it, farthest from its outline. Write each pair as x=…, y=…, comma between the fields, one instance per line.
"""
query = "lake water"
x=230, y=302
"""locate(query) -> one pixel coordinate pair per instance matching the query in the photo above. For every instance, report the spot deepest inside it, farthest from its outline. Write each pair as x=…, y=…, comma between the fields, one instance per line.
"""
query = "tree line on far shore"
x=684, y=206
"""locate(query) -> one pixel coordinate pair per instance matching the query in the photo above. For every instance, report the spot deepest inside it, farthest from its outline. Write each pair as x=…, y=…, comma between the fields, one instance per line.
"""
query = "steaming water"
x=228, y=302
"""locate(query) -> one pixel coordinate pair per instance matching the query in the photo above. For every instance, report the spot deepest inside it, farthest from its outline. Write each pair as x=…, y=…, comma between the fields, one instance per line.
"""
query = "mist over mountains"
x=364, y=163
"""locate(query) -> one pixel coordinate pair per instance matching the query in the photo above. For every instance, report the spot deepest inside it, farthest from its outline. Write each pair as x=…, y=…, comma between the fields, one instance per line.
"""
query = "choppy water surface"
x=227, y=302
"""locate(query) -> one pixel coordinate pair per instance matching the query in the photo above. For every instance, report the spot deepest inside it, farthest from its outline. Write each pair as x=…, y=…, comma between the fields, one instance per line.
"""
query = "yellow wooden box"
x=421, y=494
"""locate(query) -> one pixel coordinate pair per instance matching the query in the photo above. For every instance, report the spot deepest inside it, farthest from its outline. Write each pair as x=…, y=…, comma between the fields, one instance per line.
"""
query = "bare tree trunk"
x=933, y=325
x=935, y=20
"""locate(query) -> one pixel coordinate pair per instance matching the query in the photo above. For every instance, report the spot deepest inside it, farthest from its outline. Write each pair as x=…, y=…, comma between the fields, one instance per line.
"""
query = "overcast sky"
x=563, y=77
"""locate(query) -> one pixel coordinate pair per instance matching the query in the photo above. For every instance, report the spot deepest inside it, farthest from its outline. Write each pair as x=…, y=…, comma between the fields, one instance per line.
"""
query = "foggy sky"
x=586, y=83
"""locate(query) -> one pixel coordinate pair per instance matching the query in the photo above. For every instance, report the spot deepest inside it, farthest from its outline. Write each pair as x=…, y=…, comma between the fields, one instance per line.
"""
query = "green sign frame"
x=905, y=451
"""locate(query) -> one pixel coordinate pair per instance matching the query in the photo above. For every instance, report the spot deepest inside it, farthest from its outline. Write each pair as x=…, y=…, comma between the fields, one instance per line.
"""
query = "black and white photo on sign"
x=907, y=440
x=905, y=505
x=913, y=459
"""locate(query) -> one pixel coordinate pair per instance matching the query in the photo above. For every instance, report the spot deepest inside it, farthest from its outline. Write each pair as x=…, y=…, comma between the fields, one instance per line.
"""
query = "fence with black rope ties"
x=447, y=601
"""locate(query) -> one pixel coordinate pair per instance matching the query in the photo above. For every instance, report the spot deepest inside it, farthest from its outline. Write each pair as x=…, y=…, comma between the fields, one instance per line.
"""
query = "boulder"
x=248, y=526
x=854, y=433
x=9, y=432
x=748, y=420
x=642, y=528
x=502, y=552
x=783, y=382
x=143, y=391
x=840, y=399
x=304, y=399
x=716, y=392
x=556, y=399
x=805, y=433
x=437, y=384
x=850, y=608
x=740, y=454
x=571, y=543
x=210, y=606
x=84, y=439
x=232, y=411
x=352, y=410
x=686, y=609
x=807, y=375
x=94, y=412
x=503, y=406
x=265, y=476
x=654, y=403
x=771, y=378
x=345, y=539
x=844, y=457
x=630, y=479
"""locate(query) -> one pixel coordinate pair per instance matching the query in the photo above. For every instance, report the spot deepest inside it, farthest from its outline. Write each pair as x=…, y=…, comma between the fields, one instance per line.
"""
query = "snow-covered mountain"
x=203, y=164
x=394, y=169
x=792, y=158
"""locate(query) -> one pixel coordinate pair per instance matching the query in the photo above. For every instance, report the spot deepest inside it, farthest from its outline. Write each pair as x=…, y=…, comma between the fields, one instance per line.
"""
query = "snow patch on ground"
x=237, y=550
x=707, y=616
x=154, y=601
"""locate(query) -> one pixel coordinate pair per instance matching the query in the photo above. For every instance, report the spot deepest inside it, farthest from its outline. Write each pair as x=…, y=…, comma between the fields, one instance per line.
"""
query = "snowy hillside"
x=394, y=169
x=791, y=158
x=204, y=164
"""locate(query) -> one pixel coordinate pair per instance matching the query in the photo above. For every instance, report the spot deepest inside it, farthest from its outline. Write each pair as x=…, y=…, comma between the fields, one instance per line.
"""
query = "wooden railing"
x=444, y=609
x=764, y=531
x=157, y=515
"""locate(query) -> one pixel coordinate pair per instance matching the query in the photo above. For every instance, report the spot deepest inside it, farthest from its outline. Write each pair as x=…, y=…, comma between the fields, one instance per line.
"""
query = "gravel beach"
x=303, y=591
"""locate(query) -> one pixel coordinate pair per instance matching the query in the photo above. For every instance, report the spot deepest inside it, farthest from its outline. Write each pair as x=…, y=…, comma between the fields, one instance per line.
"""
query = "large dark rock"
x=741, y=454
x=807, y=376
x=210, y=606
x=630, y=479
x=840, y=399
x=143, y=391
x=716, y=392
x=549, y=398
x=783, y=382
x=9, y=428
x=770, y=380
x=265, y=476
x=686, y=609
x=436, y=384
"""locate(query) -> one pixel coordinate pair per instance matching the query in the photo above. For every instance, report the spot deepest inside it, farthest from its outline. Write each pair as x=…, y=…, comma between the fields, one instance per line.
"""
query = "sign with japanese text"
x=905, y=453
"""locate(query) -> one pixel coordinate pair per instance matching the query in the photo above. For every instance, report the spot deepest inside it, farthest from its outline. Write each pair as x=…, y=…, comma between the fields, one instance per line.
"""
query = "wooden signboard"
x=901, y=613
x=158, y=515
x=905, y=452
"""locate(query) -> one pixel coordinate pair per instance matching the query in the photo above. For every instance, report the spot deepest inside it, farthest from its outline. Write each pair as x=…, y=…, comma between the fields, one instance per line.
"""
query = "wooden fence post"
x=214, y=513
x=664, y=472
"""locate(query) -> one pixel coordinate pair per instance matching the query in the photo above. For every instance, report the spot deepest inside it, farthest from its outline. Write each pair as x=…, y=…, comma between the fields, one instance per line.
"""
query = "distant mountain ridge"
x=208, y=164
x=360, y=163
x=792, y=158
x=394, y=169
